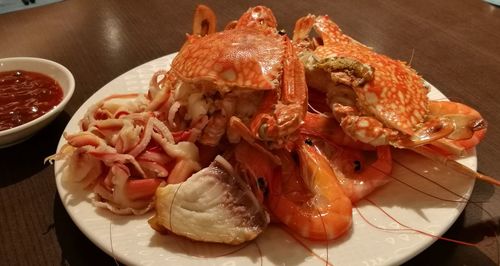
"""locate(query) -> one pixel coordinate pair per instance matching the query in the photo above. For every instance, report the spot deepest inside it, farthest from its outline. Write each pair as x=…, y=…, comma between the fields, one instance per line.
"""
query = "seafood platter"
x=253, y=146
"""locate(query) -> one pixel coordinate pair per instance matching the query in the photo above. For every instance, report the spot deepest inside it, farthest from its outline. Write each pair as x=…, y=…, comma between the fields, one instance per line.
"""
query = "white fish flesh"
x=213, y=205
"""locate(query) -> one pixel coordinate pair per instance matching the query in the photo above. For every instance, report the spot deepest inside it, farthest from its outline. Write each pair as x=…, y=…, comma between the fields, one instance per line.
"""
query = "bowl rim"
x=58, y=108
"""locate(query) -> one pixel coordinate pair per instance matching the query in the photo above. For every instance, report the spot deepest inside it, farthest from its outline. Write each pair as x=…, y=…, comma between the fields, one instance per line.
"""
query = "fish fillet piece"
x=213, y=205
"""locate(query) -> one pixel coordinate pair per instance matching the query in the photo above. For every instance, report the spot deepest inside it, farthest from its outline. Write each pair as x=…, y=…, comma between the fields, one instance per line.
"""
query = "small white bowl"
x=49, y=68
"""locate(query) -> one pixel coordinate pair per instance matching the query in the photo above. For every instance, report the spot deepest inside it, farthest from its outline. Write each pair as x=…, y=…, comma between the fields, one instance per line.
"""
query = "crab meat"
x=213, y=205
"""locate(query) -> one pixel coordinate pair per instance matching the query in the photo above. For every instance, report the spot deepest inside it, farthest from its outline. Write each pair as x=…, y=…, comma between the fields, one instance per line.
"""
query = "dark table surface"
x=455, y=45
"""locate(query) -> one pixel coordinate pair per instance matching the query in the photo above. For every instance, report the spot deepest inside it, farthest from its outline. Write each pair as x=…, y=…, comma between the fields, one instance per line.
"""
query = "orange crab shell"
x=231, y=58
x=396, y=95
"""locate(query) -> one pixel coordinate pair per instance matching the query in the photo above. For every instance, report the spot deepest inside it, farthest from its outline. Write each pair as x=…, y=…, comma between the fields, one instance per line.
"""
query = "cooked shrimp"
x=349, y=157
x=326, y=212
x=309, y=200
x=356, y=174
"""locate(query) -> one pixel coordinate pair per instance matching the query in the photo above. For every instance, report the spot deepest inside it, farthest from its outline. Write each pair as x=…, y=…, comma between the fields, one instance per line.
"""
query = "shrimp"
x=357, y=175
x=309, y=201
x=349, y=158
x=327, y=213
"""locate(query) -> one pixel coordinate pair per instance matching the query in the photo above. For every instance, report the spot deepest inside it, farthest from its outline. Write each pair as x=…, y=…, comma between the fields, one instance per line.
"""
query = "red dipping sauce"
x=26, y=95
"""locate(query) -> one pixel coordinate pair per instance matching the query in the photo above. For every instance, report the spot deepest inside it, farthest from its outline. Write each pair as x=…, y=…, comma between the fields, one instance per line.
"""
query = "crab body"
x=377, y=100
x=230, y=59
x=248, y=74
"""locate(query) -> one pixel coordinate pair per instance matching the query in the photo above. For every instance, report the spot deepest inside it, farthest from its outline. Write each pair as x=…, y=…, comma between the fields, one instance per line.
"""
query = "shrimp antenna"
x=464, y=200
x=411, y=57
x=111, y=245
x=422, y=150
x=316, y=111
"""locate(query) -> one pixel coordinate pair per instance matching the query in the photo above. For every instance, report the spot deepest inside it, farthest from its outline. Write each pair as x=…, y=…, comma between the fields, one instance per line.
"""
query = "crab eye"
x=357, y=166
x=308, y=141
x=263, y=131
x=262, y=184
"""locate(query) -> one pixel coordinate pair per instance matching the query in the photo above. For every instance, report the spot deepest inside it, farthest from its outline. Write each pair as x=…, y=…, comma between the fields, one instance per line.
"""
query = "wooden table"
x=455, y=45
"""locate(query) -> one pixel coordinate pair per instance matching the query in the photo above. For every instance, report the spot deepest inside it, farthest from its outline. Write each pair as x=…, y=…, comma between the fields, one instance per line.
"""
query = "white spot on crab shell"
x=402, y=108
x=361, y=134
x=371, y=98
x=384, y=93
x=401, y=97
x=418, y=115
x=393, y=77
x=413, y=120
x=393, y=106
x=363, y=124
x=229, y=75
x=408, y=100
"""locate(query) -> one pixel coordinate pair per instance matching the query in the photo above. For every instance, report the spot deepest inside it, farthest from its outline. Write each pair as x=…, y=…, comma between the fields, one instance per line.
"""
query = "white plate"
x=132, y=241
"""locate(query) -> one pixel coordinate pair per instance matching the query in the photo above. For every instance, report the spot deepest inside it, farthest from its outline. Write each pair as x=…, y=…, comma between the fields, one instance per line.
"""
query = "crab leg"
x=282, y=119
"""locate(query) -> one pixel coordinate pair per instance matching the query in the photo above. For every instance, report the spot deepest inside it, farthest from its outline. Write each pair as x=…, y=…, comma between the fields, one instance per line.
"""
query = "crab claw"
x=281, y=116
x=259, y=15
x=287, y=120
x=204, y=21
